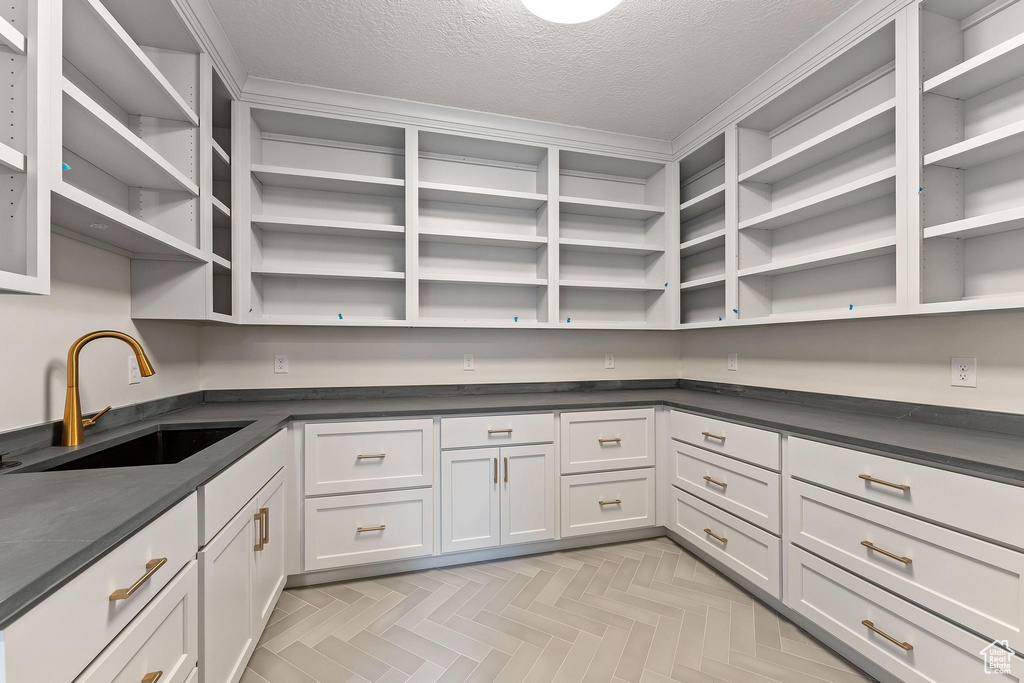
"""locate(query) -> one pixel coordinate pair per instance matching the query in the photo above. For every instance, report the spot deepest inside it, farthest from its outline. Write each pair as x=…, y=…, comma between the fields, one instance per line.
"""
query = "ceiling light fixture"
x=570, y=11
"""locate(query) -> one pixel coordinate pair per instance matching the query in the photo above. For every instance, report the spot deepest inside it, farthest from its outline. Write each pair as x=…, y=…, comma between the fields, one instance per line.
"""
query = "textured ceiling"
x=649, y=67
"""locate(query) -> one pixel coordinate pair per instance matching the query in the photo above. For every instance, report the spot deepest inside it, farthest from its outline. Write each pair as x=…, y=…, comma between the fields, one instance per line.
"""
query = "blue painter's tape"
x=250, y=310
x=65, y=166
x=517, y=318
x=920, y=190
x=736, y=311
x=568, y=320
x=851, y=307
x=719, y=318
x=666, y=284
x=339, y=317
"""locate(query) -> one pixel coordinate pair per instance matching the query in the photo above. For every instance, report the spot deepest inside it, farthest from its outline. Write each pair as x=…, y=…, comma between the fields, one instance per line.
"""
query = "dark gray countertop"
x=55, y=524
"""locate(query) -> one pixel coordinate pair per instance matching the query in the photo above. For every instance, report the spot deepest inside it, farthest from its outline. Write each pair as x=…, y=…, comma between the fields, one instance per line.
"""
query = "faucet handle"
x=90, y=421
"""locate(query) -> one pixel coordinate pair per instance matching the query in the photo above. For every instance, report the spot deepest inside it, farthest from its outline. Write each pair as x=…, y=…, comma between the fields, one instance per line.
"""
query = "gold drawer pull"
x=617, y=501
x=871, y=625
x=615, y=440
x=868, y=477
x=714, y=436
x=711, y=533
x=151, y=568
x=500, y=431
x=506, y=470
x=715, y=482
x=265, y=524
x=871, y=546
x=153, y=677
x=258, y=518
x=370, y=528
x=495, y=470
x=371, y=456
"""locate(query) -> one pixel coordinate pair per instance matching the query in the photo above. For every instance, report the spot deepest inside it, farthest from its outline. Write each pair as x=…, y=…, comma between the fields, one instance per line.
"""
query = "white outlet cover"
x=964, y=372
x=280, y=364
x=733, y=362
x=134, y=374
x=468, y=362
x=609, y=361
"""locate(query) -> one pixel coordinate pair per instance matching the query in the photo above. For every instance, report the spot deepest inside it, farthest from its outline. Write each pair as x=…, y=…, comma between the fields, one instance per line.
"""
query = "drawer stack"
x=368, y=492
x=725, y=495
x=607, y=471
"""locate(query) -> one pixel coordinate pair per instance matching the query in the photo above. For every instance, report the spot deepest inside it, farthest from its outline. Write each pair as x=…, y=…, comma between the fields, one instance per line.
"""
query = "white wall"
x=318, y=357
x=905, y=359
x=90, y=291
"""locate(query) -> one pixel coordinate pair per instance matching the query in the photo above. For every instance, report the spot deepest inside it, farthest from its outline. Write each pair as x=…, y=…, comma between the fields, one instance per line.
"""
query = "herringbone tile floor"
x=645, y=611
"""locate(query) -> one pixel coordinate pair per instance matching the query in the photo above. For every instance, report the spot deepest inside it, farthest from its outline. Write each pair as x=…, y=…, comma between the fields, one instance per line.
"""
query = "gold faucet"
x=74, y=425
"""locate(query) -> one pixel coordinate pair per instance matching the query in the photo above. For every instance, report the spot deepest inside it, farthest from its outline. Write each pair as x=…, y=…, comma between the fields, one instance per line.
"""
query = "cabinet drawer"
x=746, y=491
x=745, y=443
x=58, y=638
x=986, y=508
x=840, y=603
x=163, y=638
x=222, y=497
x=497, y=430
x=607, y=440
x=972, y=582
x=751, y=552
x=607, y=501
x=395, y=525
x=351, y=457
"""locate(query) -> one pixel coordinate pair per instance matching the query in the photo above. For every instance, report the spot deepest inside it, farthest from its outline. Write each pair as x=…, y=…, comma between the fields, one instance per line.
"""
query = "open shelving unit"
x=972, y=140
x=703, y=226
x=818, y=223
x=612, y=240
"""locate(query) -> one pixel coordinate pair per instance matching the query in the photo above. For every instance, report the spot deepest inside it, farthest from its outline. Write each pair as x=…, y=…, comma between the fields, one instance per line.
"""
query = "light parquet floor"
x=642, y=612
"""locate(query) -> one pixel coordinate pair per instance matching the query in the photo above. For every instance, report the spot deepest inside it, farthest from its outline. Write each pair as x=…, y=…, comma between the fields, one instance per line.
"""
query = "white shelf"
x=606, y=247
x=853, y=252
x=611, y=285
x=220, y=263
x=96, y=136
x=985, y=71
x=95, y=220
x=221, y=208
x=218, y=152
x=480, y=196
x=99, y=47
x=979, y=226
x=459, y=279
x=859, y=130
x=221, y=163
x=493, y=239
x=12, y=159
x=845, y=312
x=325, y=321
x=326, y=273
x=702, y=203
x=11, y=38
x=703, y=283
x=608, y=209
x=981, y=149
x=330, y=181
x=313, y=226
x=873, y=186
x=703, y=243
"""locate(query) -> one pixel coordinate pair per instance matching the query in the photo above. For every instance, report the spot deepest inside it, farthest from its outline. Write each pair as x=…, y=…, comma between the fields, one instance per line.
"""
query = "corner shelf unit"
x=704, y=217
x=972, y=139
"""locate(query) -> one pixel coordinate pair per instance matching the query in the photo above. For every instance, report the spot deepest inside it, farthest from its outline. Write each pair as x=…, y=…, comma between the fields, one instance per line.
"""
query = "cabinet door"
x=270, y=572
x=470, y=507
x=527, y=493
x=227, y=578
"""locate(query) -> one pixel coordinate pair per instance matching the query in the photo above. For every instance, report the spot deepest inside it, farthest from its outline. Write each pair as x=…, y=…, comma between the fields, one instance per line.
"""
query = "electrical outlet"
x=280, y=364
x=134, y=374
x=734, y=362
x=468, y=362
x=965, y=372
x=609, y=361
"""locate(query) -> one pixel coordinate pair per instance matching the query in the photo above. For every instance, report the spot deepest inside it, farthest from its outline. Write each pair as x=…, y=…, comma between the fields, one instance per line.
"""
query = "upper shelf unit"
x=972, y=138
x=613, y=232
x=702, y=234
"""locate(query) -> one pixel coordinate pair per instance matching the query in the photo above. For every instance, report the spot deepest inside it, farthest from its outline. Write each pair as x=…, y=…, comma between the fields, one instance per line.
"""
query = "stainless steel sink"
x=165, y=446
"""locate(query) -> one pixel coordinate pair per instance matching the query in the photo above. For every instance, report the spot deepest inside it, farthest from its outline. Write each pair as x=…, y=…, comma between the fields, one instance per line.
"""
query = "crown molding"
x=201, y=21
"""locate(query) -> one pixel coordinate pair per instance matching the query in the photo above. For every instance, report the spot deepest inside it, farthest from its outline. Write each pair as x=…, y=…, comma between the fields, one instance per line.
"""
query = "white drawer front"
x=607, y=501
x=58, y=638
x=351, y=457
x=332, y=528
x=756, y=446
x=751, y=552
x=497, y=430
x=607, y=440
x=986, y=508
x=973, y=582
x=163, y=638
x=746, y=491
x=840, y=603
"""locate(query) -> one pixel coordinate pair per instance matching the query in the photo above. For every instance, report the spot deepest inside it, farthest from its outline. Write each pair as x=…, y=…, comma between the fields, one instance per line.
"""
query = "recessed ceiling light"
x=570, y=11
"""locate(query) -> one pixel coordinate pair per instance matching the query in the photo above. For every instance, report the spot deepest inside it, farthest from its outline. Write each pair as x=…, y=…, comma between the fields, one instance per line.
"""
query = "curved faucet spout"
x=74, y=425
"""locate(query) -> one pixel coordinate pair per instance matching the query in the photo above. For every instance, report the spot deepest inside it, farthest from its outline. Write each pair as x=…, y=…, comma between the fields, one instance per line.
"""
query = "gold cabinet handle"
x=617, y=501
x=265, y=525
x=711, y=533
x=506, y=470
x=151, y=568
x=258, y=518
x=153, y=677
x=371, y=456
x=871, y=625
x=615, y=440
x=370, y=528
x=715, y=482
x=871, y=546
x=713, y=436
x=500, y=431
x=495, y=470
x=868, y=477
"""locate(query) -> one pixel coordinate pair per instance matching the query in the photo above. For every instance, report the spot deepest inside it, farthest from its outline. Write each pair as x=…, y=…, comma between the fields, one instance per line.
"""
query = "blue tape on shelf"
x=719, y=318
x=736, y=311
x=568, y=320
x=920, y=190
x=339, y=317
x=666, y=284
x=851, y=307
x=65, y=166
x=516, y=318
x=250, y=310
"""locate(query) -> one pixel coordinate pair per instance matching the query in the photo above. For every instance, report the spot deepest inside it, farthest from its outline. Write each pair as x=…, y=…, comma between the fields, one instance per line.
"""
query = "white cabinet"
x=528, y=494
x=756, y=446
x=497, y=430
x=270, y=571
x=607, y=440
x=607, y=501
